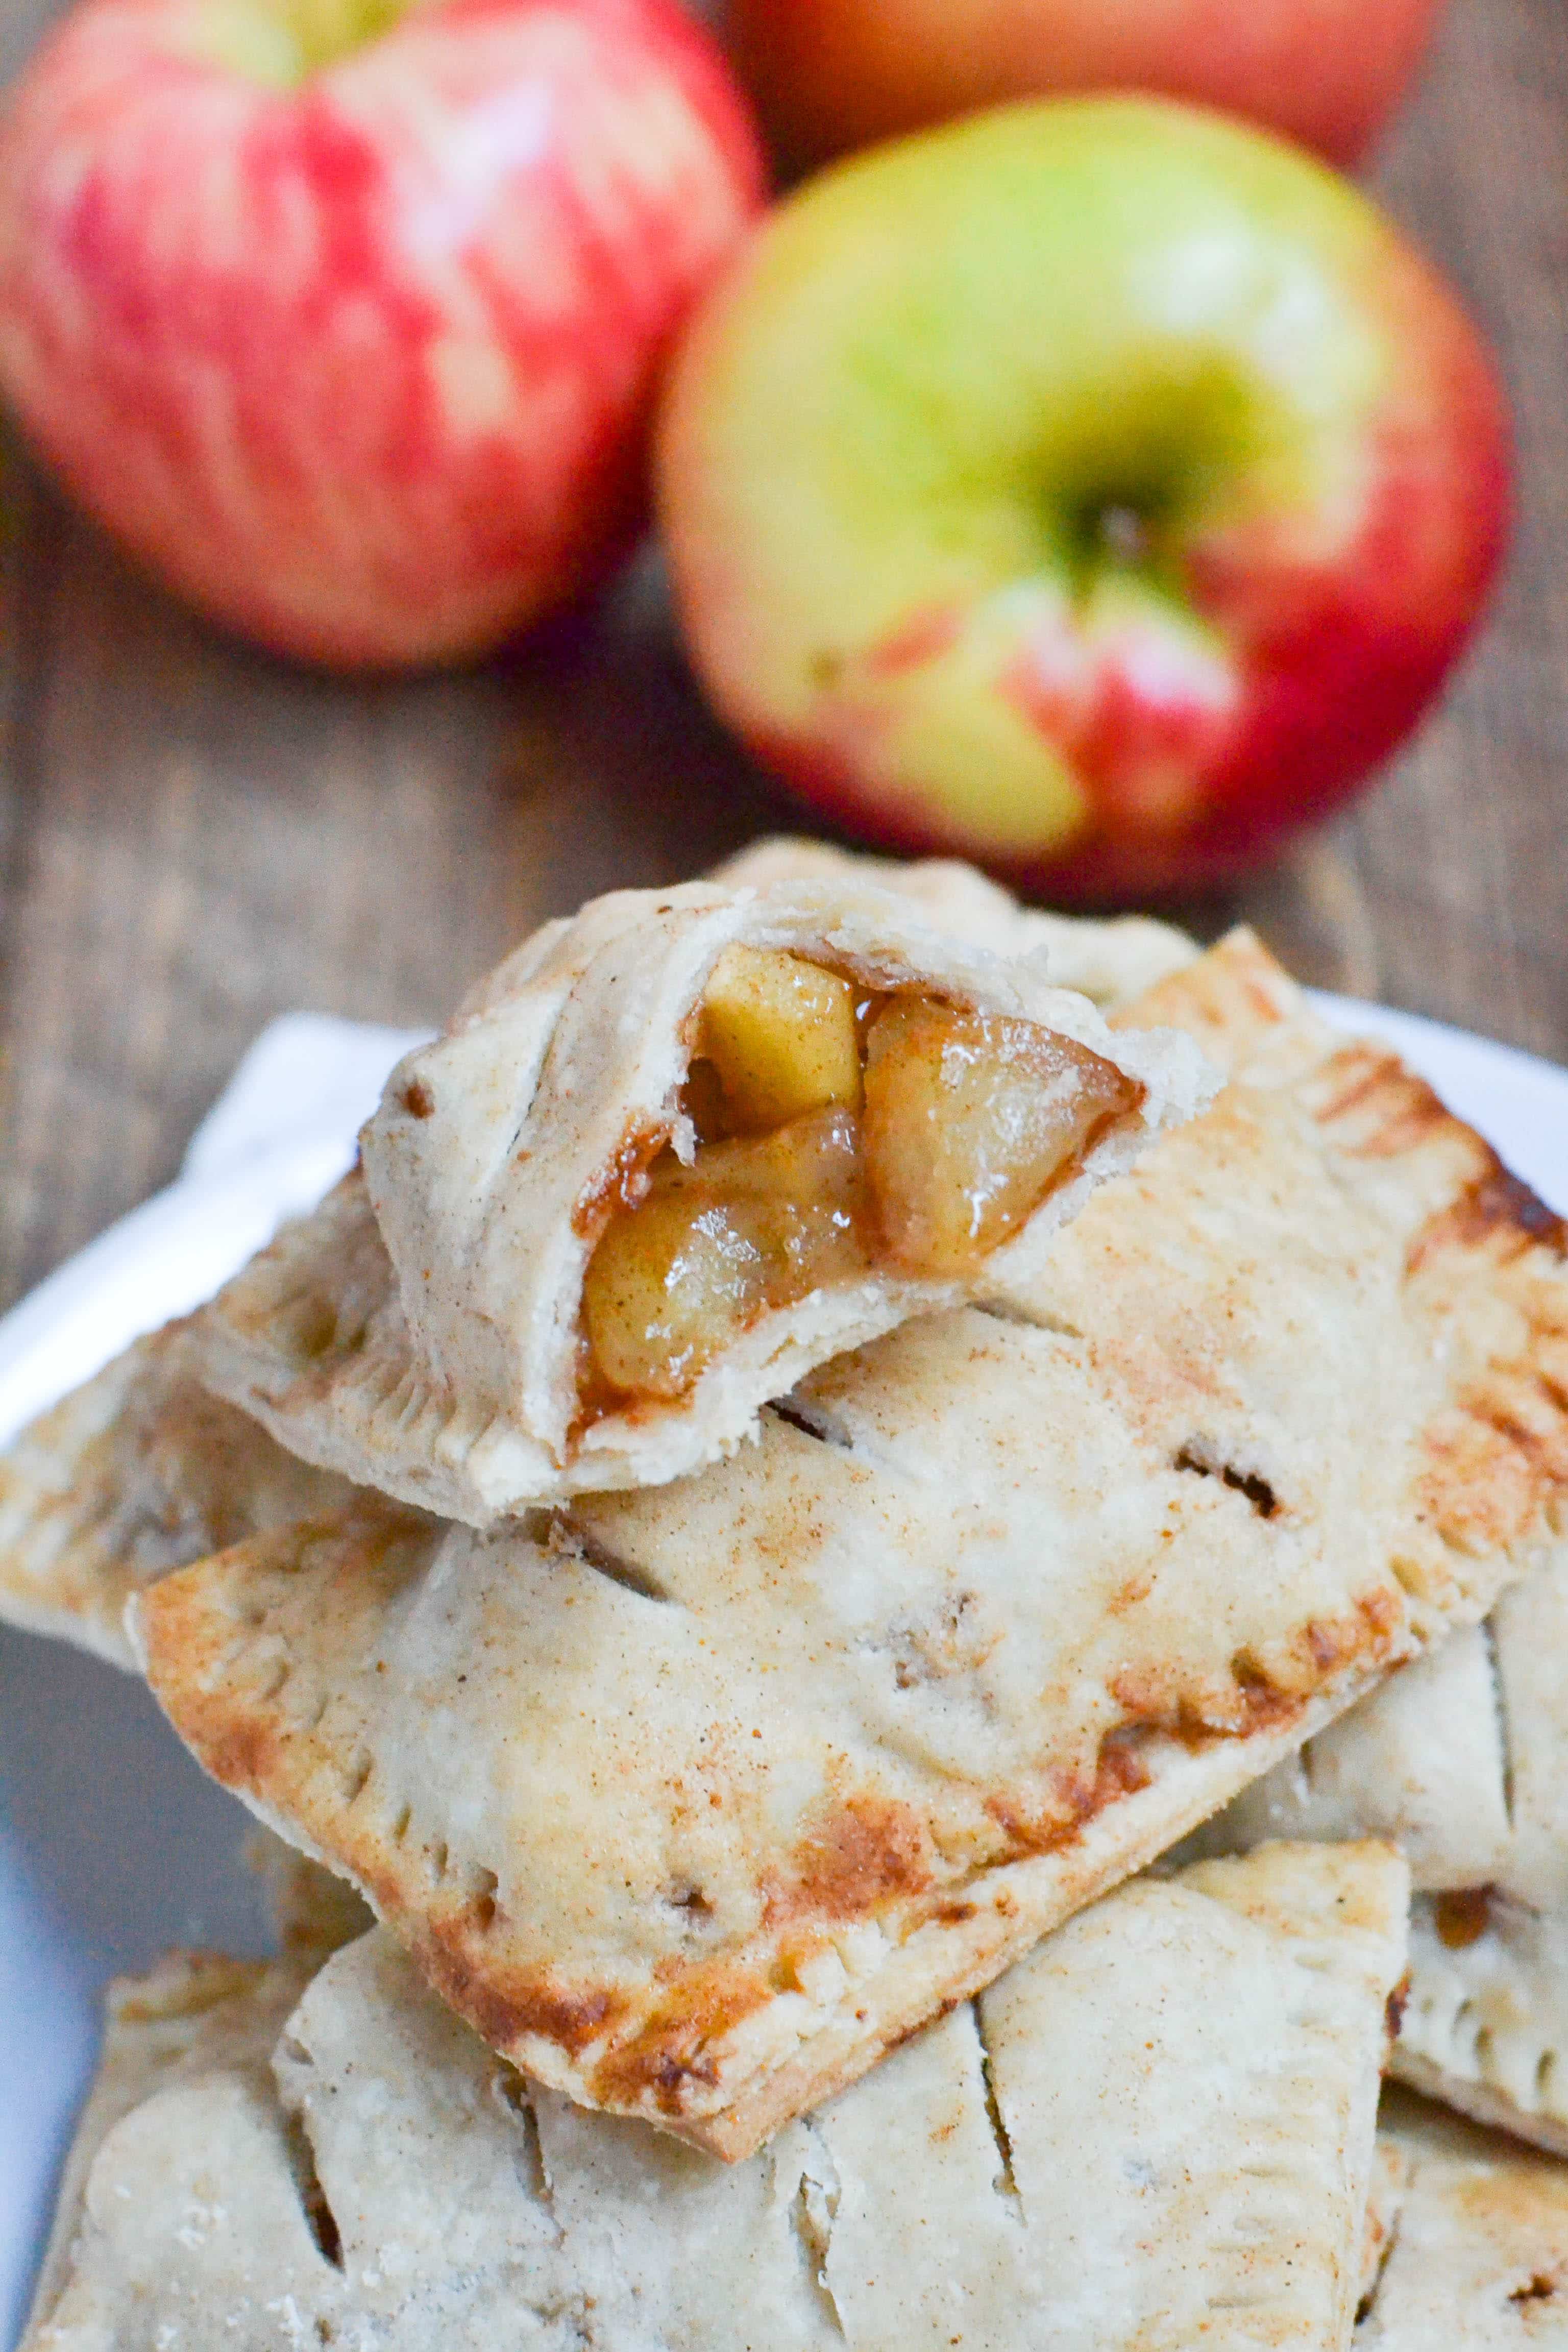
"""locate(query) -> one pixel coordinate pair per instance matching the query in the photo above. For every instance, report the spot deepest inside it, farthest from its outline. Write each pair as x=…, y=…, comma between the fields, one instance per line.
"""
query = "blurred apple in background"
x=831, y=75
x=347, y=319
x=1097, y=488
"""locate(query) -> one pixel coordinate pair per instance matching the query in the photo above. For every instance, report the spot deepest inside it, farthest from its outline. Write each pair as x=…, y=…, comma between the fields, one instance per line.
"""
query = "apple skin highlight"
x=1094, y=489
x=354, y=339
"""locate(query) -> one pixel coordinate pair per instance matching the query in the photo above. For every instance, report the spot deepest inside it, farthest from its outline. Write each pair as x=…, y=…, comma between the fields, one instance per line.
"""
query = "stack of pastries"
x=869, y=1550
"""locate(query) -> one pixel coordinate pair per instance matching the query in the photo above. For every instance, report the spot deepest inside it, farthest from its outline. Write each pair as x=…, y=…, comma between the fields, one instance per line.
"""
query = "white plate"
x=112, y=1844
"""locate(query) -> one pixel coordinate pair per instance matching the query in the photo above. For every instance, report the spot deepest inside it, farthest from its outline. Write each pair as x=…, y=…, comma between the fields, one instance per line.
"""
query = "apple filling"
x=840, y=1132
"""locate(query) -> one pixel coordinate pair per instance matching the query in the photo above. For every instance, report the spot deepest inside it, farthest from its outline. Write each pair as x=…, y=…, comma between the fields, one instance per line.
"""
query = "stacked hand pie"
x=836, y=1422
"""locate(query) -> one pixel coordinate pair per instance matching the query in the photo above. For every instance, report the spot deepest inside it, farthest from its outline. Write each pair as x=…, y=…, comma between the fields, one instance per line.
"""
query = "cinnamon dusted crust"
x=138, y=1472
x=698, y=1800
x=1474, y=2247
x=1112, y=960
x=142, y=1470
x=1161, y=2120
x=421, y=1333
x=1463, y=1757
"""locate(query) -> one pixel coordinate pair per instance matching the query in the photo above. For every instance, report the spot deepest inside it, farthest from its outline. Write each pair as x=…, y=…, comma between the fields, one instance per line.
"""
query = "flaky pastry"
x=1112, y=959
x=137, y=1472
x=673, y=1154
x=696, y=1799
x=1154, y=2133
x=1474, y=2243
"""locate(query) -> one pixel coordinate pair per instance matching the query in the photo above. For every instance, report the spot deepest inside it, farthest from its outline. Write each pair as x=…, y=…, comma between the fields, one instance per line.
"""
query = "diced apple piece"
x=753, y=1223
x=813, y=1162
x=804, y=1187
x=970, y=1119
x=781, y=1035
x=668, y=1286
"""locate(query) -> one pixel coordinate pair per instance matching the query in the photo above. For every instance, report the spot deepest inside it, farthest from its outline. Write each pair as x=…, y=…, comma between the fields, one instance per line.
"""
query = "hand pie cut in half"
x=1463, y=1759
x=671, y=1156
x=137, y=1472
x=1156, y=2132
x=696, y=1800
x=142, y=1470
x=1474, y=2254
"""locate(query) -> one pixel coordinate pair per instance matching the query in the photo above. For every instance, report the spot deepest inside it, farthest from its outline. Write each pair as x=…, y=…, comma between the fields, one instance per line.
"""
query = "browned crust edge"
x=1498, y=1468
x=663, y=2060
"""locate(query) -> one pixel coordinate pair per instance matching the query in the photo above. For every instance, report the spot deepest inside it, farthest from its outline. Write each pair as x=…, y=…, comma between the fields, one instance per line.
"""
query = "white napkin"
x=280, y=1135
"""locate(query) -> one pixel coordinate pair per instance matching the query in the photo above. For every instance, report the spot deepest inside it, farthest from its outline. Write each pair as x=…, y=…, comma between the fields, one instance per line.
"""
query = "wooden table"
x=193, y=837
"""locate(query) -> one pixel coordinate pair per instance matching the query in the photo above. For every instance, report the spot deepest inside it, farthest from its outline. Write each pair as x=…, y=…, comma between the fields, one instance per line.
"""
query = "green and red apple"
x=346, y=316
x=831, y=75
x=1095, y=489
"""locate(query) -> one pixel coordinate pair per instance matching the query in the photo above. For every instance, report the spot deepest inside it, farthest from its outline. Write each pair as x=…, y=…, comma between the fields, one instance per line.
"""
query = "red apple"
x=347, y=319
x=834, y=74
x=1096, y=488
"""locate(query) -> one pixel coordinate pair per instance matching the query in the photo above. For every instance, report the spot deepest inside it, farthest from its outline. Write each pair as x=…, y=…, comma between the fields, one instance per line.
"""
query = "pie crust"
x=1475, y=2249
x=1462, y=1757
x=1112, y=959
x=696, y=1801
x=137, y=1472
x=1154, y=2131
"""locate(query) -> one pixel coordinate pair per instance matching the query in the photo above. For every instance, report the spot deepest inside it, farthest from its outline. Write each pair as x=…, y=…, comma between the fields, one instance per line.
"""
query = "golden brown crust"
x=137, y=1472
x=220, y=1640
x=746, y=1777
x=1234, y=1000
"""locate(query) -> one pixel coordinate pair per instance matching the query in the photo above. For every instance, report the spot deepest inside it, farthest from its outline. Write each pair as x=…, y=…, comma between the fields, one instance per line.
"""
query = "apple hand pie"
x=695, y=1800
x=1156, y=2131
x=671, y=1156
x=1463, y=1759
x=137, y=1472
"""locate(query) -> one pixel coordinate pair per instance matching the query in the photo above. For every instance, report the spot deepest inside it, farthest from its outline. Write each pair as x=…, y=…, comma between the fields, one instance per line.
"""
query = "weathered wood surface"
x=194, y=838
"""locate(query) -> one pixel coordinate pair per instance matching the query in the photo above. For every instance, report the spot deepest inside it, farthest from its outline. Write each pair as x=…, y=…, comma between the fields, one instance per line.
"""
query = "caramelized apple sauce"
x=838, y=1133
